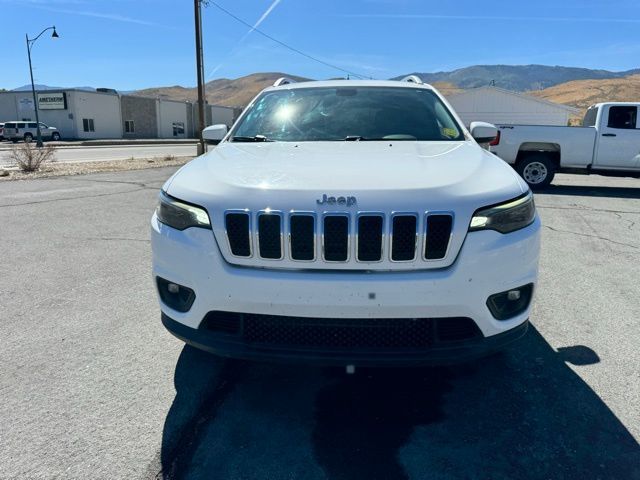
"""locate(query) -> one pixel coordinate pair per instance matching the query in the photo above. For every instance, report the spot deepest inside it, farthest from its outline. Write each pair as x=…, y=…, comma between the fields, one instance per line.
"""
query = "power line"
x=299, y=52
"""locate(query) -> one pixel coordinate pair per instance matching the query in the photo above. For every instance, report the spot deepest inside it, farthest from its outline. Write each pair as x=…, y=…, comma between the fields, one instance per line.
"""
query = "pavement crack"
x=139, y=184
x=585, y=209
x=120, y=239
x=591, y=236
x=81, y=197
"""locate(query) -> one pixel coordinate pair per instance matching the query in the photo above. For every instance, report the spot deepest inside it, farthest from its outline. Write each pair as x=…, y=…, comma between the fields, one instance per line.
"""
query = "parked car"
x=1, y=131
x=608, y=143
x=27, y=131
x=350, y=223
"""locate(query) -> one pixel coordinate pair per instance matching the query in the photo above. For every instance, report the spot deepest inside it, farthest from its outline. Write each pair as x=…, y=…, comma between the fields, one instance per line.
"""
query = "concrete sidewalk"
x=110, y=142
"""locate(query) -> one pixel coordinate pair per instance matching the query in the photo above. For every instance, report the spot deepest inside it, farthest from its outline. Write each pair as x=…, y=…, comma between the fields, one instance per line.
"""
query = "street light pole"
x=200, y=68
x=30, y=42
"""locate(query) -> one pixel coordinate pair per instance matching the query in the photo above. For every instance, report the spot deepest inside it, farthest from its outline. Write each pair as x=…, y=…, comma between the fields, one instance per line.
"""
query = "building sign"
x=52, y=101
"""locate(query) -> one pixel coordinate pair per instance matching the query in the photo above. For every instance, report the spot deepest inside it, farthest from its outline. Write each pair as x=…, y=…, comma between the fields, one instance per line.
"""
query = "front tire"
x=28, y=138
x=55, y=136
x=537, y=170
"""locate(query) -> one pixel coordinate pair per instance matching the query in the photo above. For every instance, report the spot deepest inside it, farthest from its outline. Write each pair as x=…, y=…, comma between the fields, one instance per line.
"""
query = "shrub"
x=29, y=158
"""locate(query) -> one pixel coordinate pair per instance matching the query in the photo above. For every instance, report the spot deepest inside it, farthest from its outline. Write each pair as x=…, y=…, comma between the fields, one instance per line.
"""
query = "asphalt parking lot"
x=93, y=387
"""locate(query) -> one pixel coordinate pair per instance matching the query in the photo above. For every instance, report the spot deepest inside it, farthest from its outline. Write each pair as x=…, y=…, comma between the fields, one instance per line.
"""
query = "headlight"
x=181, y=215
x=506, y=217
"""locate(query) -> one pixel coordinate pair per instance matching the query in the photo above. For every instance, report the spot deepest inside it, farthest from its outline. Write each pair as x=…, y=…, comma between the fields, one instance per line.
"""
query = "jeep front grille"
x=367, y=237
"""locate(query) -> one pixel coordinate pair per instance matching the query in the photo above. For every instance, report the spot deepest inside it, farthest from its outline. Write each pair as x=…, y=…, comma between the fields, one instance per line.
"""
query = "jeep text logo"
x=348, y=201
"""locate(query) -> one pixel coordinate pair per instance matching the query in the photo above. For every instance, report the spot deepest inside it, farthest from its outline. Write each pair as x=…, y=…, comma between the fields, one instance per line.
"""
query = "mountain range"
x=569, y=85
x=518, y=78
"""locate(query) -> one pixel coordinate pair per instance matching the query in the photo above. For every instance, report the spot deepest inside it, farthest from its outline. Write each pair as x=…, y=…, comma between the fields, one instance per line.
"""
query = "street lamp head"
x=54, y=34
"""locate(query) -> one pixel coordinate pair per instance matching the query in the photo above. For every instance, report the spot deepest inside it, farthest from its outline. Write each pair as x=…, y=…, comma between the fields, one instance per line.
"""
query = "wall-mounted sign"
x=25, y=104
x=52, y=101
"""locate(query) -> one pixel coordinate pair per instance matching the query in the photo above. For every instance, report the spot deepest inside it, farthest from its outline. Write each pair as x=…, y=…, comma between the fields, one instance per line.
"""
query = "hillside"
x=583, y=93
x=517, y=77
x=226, y=92
x=573, y=86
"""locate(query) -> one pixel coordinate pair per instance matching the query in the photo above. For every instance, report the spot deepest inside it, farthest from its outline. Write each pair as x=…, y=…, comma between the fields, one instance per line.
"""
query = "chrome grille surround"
x=325, y=215
x=301, y=213
x=395, y=215
x=423, y=247
x=352, y=261
x=257, y=233
x=384, y=234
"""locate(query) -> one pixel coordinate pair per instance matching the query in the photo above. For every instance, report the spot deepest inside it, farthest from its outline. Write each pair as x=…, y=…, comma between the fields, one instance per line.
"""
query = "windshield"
x=348, y=113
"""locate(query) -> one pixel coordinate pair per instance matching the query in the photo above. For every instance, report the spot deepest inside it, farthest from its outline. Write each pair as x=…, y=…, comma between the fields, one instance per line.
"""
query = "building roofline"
x=524, y=95
x=117, y=94
x=58, y=90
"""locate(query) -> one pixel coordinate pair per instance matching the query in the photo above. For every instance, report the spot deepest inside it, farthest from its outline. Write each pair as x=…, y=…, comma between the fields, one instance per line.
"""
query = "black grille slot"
x=302, y=237
x=222, y=322
x=438, y=235
x=377, y=333
x=237, y=225
x=370, y=238
x=404, y=238
x=269, y=235
x=336, y=238
x=457, y=329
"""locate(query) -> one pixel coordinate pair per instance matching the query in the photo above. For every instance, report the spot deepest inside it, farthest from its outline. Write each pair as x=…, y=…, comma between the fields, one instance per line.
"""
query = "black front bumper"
x=439, y=354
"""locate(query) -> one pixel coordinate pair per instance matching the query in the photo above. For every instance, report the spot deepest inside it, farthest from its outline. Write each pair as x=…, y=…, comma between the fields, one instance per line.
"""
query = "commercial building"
x=81, y=114
x=497, y=105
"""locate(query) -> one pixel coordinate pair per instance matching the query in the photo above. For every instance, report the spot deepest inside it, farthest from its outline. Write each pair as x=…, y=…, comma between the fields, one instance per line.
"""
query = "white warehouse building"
x=496, y=105
x=105, y=114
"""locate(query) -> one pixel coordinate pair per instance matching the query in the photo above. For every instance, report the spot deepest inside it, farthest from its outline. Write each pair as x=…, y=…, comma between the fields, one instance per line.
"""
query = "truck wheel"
x=27, y=138
x=537, y=170
x=55, y=136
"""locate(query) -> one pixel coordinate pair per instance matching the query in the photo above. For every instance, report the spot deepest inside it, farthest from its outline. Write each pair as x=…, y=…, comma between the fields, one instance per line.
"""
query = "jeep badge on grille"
x=348, y=201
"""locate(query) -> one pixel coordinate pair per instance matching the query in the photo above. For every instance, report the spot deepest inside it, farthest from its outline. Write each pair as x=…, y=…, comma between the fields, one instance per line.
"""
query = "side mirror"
x=483, y=132
x=215, y=133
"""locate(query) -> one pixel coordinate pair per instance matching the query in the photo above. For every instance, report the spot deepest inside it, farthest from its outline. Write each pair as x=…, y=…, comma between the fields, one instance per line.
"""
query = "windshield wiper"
x=255, y=138
x=360, y=138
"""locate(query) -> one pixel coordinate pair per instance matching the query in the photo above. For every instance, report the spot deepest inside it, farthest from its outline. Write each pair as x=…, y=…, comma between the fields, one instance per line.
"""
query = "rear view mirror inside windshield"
x=346, y=92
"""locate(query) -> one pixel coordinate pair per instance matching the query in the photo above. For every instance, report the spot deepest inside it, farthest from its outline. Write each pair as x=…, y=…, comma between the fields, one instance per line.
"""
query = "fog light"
x=506, y=305
x=511, y=294
x=175, y=296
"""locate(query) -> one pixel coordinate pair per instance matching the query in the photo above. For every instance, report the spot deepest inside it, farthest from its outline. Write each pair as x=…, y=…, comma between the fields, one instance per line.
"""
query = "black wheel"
x=28, y=138
x=55, y=136
x=537, y=170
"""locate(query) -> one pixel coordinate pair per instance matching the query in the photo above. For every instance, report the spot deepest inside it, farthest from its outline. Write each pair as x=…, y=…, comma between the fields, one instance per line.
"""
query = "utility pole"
x=200, y=66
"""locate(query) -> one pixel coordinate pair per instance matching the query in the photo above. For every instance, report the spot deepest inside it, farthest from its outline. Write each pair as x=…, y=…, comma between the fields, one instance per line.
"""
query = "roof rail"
x=283, y=81
x=412, y=79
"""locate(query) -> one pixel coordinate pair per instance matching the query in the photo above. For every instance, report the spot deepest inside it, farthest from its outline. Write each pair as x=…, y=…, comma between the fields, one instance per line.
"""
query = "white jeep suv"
x=349, y=223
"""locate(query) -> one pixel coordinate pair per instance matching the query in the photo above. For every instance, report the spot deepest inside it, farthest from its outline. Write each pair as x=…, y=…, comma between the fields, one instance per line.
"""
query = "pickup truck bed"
x=576, y=143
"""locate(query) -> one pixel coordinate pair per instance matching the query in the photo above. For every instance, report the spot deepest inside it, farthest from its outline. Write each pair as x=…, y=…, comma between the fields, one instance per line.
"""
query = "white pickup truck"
x=608, y=143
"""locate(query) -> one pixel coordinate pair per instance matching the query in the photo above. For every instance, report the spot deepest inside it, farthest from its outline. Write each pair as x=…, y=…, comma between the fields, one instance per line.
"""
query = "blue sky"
x=130, y=44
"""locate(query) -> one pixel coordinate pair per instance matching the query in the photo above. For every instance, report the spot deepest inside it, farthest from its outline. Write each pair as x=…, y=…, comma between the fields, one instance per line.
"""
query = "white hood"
x=270, y=170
